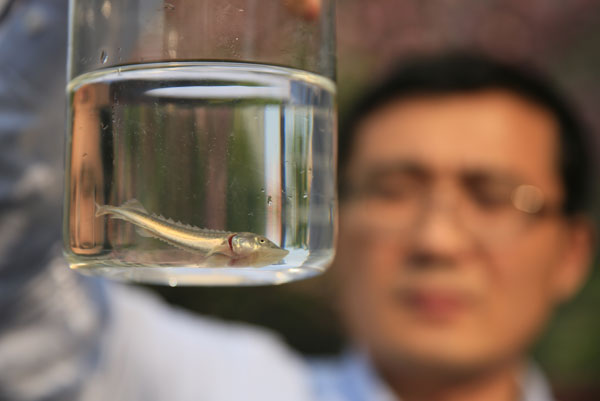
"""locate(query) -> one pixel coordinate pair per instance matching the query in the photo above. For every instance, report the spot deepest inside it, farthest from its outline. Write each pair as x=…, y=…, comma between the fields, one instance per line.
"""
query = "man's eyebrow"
x=491, y=174
x=417, y=169
x=398, y=167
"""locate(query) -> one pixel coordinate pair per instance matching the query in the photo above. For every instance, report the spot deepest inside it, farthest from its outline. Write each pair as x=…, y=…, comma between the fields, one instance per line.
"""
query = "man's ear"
x=575, y=267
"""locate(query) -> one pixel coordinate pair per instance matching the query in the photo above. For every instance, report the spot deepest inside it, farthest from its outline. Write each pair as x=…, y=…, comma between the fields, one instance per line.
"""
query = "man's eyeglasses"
x=490, y=205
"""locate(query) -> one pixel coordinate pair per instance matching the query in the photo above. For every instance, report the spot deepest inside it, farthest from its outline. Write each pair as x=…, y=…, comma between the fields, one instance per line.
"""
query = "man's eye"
x=389, y=192
x=488, y=192
x=393, y=190
x=490, y=198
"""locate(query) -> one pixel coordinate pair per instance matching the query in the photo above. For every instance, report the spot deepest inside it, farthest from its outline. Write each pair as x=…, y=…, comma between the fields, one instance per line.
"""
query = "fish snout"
x=277, y=252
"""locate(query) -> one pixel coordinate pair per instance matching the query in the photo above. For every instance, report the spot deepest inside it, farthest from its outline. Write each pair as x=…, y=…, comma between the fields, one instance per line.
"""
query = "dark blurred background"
x=560, y=38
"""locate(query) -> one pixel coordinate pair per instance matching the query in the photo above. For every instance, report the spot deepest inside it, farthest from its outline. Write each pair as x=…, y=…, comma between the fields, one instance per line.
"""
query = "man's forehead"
x=495, y=129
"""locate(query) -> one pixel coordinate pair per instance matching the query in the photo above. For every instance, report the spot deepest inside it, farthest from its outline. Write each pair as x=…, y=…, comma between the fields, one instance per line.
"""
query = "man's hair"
x=460, y=73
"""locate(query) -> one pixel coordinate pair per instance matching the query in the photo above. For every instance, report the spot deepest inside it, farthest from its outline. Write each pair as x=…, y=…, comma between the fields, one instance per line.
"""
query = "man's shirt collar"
x=352, y=377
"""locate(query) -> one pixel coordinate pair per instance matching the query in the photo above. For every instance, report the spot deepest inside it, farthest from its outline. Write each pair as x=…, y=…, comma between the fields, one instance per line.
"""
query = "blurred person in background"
x=462, y=225
x=464, y=195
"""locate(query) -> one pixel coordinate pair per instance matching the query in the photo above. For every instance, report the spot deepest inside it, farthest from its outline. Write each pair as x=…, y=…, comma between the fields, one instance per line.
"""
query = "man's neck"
x=498, y=384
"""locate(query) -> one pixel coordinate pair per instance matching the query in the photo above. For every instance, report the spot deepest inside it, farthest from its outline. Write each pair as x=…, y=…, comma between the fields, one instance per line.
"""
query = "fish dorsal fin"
x=134, y=204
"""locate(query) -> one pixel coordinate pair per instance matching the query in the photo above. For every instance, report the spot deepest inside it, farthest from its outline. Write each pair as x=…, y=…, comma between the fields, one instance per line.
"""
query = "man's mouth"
x=436, y=305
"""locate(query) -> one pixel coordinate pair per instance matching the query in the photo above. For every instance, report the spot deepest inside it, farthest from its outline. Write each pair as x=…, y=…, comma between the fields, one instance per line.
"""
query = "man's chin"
x=441, y=362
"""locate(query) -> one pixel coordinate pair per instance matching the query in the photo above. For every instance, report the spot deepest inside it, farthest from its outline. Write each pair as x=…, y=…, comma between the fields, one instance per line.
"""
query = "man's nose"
x=439, y=238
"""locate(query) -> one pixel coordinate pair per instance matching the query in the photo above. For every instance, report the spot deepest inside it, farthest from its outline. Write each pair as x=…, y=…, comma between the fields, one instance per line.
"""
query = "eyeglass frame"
x=528, y=200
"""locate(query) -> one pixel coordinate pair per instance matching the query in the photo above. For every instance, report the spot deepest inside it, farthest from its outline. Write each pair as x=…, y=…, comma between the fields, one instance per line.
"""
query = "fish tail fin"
x=134, y=204
x=102, y=210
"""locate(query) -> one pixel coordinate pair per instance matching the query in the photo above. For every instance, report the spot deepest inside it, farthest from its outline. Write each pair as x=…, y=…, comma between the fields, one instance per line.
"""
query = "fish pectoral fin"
x=134, y=204
x=216, y=260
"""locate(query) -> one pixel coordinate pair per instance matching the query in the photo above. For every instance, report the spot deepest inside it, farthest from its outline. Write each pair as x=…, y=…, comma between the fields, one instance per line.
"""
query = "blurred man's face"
x=452, y=250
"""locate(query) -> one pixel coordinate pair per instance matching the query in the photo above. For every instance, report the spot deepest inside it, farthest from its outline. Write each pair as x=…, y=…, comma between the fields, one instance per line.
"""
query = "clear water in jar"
x=232, y=147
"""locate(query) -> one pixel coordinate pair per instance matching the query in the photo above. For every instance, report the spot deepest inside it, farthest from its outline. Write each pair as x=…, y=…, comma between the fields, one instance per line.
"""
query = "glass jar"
x=201, y=143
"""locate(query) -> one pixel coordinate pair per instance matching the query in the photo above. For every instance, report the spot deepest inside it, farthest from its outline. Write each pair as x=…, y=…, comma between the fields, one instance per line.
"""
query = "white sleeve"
x=155, y=352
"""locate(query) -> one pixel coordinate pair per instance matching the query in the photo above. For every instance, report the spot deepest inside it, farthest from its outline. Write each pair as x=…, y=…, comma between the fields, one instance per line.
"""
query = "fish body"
x=240, y=248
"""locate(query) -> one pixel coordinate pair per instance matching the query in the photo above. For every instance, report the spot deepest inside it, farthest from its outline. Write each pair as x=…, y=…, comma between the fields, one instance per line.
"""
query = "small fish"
x=241, y=248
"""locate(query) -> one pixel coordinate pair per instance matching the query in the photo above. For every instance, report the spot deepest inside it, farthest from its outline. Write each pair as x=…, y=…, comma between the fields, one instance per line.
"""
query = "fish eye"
x=262, y=241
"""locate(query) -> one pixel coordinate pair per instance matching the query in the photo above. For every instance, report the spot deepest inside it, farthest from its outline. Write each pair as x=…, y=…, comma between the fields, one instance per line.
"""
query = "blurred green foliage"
x=570, y=349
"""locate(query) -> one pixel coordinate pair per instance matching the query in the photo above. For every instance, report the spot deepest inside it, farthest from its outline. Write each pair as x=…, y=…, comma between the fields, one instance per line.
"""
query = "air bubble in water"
x=269, y=200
